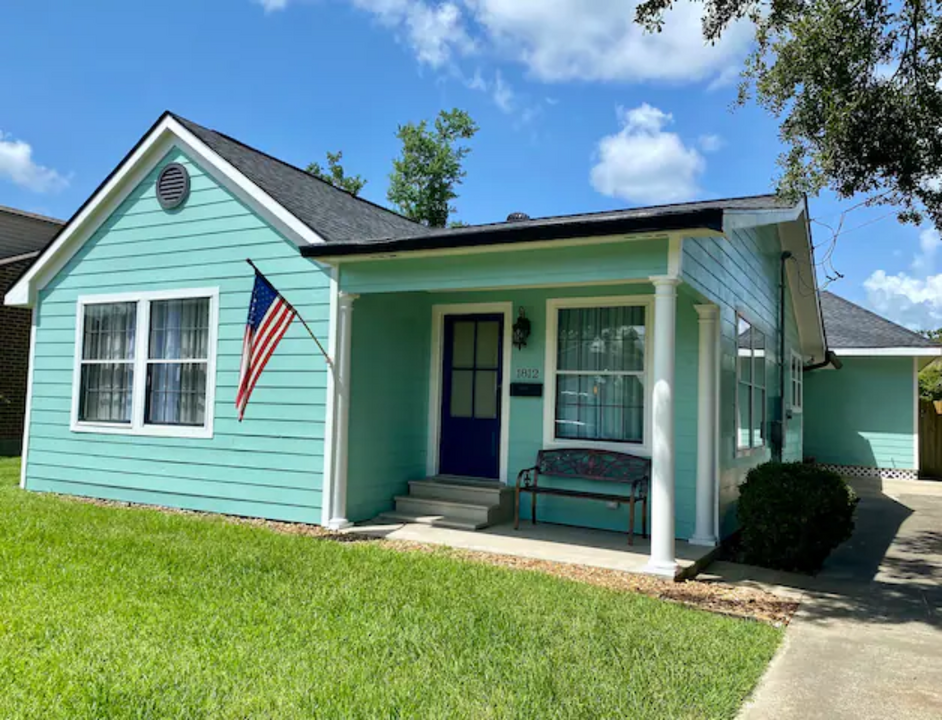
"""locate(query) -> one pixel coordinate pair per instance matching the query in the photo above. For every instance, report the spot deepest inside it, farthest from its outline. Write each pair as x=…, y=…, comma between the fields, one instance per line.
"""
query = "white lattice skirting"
x=860, y=471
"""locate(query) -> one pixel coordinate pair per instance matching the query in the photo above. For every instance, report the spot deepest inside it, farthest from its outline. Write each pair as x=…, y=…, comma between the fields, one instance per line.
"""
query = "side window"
x=797, y=382
x=750, y=385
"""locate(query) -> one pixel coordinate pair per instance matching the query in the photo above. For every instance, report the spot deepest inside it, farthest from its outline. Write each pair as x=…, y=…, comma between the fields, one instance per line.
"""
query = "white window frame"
x=752, y=448
x=137, y=426
x=553, y=306
x=796, y=381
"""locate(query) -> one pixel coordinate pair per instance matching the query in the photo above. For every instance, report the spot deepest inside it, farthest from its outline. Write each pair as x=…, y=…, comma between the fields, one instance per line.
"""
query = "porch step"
x=457, y=489
x=455, y=502
x=433, y=520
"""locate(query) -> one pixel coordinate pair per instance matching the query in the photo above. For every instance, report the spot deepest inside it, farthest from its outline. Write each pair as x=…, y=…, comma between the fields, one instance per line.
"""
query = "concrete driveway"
x=867, y=641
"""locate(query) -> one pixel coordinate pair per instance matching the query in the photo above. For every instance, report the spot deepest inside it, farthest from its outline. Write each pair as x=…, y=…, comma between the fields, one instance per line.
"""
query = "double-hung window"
x=750, y=386
x=597, y=362
x=146, y=363
x=797, y=382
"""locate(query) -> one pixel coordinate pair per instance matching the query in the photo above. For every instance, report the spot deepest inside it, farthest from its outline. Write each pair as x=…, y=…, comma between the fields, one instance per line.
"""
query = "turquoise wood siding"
x=271, y=464
x=608, y=262
x=741, y=274
x=388, y=399
x=862, y=414
x=389, y=409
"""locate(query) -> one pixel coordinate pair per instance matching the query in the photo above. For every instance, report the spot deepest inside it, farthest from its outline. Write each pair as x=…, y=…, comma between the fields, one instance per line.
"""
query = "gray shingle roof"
x=334, y=214
x=22, y=233
x=850, y=326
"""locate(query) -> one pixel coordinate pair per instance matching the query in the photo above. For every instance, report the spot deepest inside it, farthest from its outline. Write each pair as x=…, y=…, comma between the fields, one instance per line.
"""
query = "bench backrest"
x=594, y=465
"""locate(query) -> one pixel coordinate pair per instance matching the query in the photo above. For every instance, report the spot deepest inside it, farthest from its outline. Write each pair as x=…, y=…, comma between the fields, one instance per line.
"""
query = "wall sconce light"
x=521, y=330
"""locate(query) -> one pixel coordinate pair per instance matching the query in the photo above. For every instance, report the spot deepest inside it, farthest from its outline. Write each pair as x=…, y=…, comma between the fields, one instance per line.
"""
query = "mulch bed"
x=717, y=597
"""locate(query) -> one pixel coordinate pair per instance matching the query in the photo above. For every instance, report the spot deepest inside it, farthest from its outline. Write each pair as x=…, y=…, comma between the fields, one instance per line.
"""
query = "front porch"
x=434, y=382
x=554, y=543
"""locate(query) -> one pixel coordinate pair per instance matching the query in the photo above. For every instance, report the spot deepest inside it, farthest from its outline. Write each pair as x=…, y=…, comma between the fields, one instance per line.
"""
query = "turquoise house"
x=863, y=420
x=678, y=333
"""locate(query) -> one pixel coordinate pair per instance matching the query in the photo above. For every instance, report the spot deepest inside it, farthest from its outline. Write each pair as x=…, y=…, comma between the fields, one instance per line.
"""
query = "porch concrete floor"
x=545, y=541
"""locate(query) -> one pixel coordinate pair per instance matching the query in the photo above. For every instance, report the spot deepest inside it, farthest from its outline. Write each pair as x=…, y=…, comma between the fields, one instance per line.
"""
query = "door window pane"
x=488, y=343
x=485, y=394
x=463, y=344
x=462, y=393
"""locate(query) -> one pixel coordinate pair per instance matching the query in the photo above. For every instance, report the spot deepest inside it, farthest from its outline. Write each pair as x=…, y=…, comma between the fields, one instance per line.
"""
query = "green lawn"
x=131, y=613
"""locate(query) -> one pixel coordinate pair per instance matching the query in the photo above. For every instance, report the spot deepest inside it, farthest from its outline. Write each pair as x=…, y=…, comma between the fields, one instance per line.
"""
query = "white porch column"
x=707, y=390
x=662, y=560
x=338, y=511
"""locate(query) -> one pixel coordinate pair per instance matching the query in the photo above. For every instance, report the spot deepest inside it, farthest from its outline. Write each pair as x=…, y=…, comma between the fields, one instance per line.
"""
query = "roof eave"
x=710, y=220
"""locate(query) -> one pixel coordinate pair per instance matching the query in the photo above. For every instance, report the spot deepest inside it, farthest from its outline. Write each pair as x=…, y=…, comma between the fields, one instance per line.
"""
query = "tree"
x=422, y=183
x=856, y=86
x=335, y=175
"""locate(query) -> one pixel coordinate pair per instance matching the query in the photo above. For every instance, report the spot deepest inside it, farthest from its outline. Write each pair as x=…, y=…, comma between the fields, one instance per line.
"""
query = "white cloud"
x=710, y=143
x=17, y=165
x=436, y=33
x=599, y=40
x=924, y=260
x=503, y=94
x=273, y=5
x=564, y=40
x=913, y=302
x=643, y=163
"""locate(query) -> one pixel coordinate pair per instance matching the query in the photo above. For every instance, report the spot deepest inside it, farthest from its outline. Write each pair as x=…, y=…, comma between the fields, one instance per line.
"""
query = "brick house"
x=22, y=236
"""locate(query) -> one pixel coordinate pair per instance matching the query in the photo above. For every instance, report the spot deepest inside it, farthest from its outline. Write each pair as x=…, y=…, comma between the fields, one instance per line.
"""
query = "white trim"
x=342, y=383
x=167, y=134
x=889, y=352
x=30, y=371
x=137, y=426
x=553, y=305
x=435, y=378
x=708, y=317
x=327, y=482
x=675, y=255
x=916, y=414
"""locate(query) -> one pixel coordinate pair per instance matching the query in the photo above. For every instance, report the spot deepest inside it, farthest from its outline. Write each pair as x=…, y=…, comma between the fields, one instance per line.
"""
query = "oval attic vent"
x=173, y=186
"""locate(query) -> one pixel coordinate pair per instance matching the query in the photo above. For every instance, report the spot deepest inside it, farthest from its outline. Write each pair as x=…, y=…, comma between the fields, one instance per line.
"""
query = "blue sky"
x=578, y=110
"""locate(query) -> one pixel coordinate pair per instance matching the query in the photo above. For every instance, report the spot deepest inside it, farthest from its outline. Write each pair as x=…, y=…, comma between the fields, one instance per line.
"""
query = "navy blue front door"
x=471, y=393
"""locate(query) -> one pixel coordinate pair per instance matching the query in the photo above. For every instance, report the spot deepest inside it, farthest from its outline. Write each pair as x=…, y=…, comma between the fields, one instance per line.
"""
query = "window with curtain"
x=750, y=385
x=177, y=358
x=107, y=364
x=146, y=363
x=600, y=374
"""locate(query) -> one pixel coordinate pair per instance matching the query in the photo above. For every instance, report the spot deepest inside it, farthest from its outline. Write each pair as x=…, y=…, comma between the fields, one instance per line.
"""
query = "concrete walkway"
x=545, y=541
x=867, y=641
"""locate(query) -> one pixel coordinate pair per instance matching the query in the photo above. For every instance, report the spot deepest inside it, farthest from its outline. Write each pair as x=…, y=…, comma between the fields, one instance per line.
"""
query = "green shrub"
x=793, y=514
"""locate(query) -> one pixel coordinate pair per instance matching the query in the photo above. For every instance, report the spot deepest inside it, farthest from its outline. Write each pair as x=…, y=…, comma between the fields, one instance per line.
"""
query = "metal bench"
x=606, y=466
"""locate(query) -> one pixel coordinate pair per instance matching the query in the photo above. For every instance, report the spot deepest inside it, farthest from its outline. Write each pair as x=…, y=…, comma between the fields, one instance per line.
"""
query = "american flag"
x=269, y=318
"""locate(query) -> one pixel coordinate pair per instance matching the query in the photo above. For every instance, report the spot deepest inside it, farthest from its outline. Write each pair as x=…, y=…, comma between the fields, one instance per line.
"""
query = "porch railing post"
x=338, y=514
x=707, y=390
x=663, y=560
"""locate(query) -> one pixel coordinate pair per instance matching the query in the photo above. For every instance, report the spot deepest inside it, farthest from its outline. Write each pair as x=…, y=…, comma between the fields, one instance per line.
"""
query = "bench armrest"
x=527, y=476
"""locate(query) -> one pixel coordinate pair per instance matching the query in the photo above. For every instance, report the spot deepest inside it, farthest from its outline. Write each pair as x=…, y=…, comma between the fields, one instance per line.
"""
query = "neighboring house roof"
x=334, y=214
x=853, y=330
x=708, y=215
x=23, y=233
